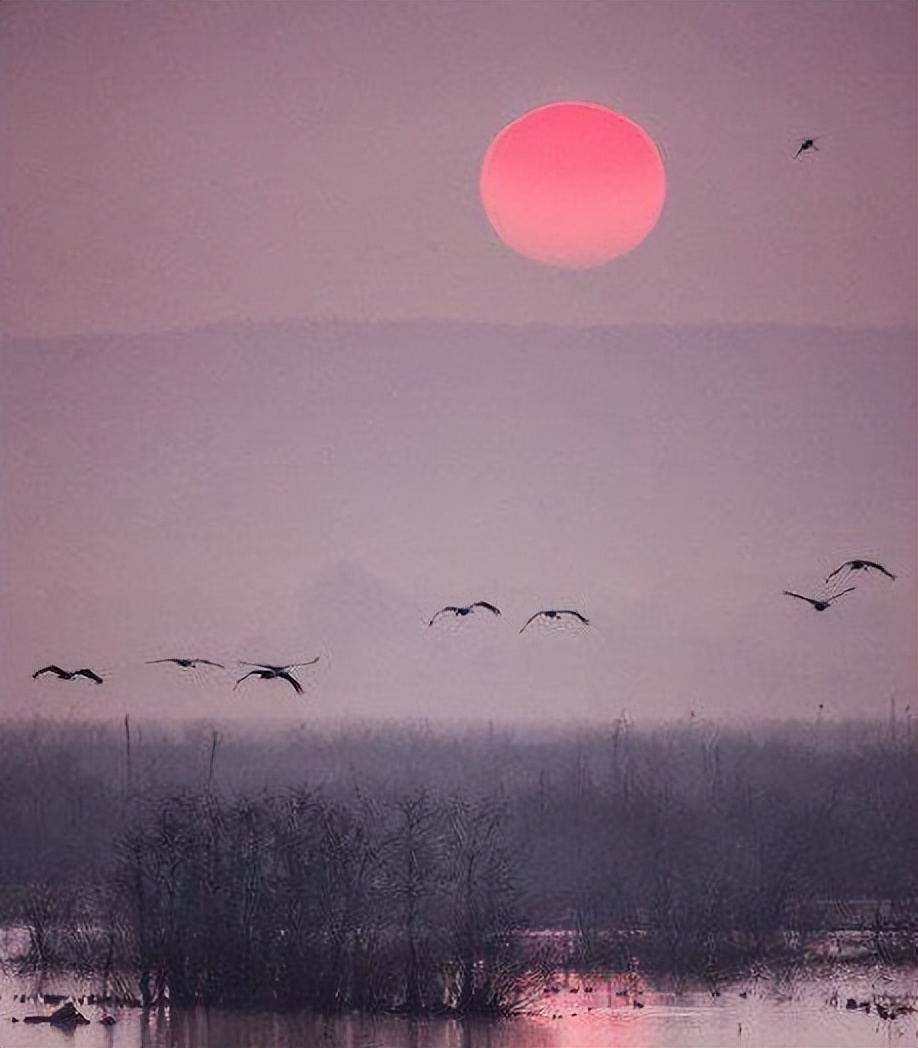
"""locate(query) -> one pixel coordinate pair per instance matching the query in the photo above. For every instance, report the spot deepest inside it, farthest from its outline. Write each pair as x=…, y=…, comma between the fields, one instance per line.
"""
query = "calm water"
x=806, y=1012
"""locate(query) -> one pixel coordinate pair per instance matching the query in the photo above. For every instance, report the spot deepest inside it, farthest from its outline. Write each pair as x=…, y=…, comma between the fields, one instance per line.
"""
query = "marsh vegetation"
x=402, y=868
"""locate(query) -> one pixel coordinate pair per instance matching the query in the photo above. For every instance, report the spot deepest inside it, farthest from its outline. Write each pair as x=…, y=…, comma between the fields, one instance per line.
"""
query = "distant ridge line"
x=226, y=327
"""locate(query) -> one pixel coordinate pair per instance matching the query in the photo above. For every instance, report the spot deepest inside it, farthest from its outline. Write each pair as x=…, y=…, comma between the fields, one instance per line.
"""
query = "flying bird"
x=68, y=674
x=554, y=613
x=463, y=611
x=860, y=565
x=805, y=146
x=187, y=663
x=819, y=605
x=267, y=672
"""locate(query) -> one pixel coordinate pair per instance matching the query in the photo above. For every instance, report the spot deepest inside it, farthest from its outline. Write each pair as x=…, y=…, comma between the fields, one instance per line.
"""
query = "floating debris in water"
x=66, y=1015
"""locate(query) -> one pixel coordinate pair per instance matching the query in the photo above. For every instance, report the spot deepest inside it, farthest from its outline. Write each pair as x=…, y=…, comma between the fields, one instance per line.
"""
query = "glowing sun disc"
x=572, y=184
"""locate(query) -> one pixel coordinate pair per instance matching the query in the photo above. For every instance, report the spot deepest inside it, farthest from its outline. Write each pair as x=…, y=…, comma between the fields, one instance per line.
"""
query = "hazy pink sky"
x=174, y=164
x=679, y=446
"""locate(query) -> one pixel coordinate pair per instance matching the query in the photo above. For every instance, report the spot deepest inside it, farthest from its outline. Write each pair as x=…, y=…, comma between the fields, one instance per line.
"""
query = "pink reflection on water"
x=599, y=1011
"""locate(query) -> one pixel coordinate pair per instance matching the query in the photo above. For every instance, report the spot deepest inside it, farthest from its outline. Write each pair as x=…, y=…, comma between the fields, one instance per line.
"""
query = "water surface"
x=802, y=1012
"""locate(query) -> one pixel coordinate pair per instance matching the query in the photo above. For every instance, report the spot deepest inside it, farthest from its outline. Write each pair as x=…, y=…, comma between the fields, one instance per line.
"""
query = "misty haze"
x=458, y=498
x=326, y=792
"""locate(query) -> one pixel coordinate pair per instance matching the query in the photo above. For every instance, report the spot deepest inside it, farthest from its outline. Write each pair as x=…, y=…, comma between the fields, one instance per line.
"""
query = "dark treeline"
x=401, y=867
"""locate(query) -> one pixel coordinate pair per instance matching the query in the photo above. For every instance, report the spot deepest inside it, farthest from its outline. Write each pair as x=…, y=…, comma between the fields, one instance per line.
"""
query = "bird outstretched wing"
x=292, y=680
x=485, y=604
x=879, y=567
x=89, y=674
x=841, y=567
x=841, y=594
x=443, y=611
x=800, y=596
x=51, y=669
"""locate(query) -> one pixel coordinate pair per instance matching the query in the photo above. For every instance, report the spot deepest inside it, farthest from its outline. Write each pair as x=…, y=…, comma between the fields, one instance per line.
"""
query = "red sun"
x=573, y=184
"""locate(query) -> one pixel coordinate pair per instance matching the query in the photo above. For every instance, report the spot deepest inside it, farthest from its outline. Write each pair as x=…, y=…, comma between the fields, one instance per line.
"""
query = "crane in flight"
x=188, y=663
x=807, y=145
x=462, y=611
x=68, y=674
x=859, y=565
x=819, y=605
x=268, y=672
x=554, y=613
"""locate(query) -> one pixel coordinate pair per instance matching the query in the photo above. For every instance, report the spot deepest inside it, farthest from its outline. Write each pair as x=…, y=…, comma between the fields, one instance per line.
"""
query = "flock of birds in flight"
x=268, y=671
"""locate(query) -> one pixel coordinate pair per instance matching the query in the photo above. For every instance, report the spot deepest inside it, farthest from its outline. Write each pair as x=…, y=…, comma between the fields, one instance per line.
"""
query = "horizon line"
x=7, y=338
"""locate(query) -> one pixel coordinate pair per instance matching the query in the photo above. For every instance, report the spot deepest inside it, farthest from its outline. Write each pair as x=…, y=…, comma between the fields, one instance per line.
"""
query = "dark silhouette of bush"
x=425, y=881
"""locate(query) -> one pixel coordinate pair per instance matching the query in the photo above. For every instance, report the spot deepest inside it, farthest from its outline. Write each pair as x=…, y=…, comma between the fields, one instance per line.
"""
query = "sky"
x=271, y=386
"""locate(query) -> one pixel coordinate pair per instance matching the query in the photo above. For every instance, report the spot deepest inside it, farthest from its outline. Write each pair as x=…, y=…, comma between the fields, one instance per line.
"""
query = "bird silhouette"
x=805, y=146
x=68, y=674
x=464, y=610
x=819, y=605
x=187, y=663
x=554, y=613
x=268, y=672
x=860, y=565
